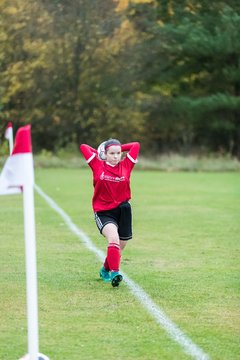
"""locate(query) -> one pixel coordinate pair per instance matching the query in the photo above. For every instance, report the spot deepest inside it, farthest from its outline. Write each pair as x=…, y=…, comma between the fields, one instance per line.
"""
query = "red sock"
x=106, y=266
x=113, y=256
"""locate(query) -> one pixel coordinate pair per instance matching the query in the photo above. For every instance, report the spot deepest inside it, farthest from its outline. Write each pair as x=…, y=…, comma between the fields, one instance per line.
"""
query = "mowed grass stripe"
x=160, y=317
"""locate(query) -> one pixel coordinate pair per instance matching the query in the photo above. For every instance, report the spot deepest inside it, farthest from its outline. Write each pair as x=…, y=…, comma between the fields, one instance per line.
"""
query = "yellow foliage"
x=11, y=10
x=3, y=36
x=125, y=32
x=19, y=75
x=123, y=4
x=143, y=1
x=123, y=36
x=160, y=23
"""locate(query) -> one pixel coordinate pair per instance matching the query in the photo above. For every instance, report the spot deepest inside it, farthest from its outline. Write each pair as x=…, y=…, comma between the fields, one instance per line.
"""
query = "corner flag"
x=18, y=169
x=5, y=189
x=9, y=136
x=18, y=172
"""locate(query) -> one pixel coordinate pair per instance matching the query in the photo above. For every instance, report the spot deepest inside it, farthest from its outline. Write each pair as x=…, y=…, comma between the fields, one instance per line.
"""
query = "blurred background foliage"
x=163, y=72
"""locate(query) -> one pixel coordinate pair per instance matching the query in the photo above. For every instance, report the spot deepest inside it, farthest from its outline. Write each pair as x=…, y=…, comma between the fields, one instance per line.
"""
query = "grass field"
x=185, y=255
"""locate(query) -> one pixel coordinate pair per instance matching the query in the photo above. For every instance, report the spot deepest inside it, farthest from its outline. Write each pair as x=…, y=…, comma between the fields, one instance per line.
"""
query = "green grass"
x=185, y=255
x=164, y=162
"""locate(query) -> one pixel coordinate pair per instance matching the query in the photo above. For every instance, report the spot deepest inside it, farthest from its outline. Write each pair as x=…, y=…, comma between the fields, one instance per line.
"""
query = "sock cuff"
x=114, y=245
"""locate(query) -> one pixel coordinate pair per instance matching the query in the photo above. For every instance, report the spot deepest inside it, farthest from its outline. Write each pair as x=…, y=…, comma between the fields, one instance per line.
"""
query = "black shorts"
x=121, y=216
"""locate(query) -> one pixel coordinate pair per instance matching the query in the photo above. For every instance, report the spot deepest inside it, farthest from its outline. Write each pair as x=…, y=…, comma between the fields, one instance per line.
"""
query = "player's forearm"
x=132, y=148
x=128, y=146
x=87, y=151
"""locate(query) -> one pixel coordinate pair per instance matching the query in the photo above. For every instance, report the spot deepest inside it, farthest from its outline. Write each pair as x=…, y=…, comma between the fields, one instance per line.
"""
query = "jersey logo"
x=111, y=178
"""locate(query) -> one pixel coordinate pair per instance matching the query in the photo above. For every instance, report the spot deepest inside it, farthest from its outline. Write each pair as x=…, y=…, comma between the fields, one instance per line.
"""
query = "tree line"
x=163, y=72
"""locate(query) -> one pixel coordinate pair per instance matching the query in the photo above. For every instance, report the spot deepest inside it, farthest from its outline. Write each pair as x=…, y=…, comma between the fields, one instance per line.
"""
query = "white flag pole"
x=9, y=137
x=18, y=171
x=11, y=141
x=31, y=271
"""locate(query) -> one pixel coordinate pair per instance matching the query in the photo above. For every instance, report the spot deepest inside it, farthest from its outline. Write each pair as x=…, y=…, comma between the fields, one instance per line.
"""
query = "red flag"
x=18, y=169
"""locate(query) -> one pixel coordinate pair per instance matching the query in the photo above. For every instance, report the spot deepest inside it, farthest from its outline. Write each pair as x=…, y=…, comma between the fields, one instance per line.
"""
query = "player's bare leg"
x=113, y=253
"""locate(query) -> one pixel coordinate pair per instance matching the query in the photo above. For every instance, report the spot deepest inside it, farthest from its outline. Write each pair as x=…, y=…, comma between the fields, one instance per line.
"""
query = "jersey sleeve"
x=88, y=152
x=133, y=150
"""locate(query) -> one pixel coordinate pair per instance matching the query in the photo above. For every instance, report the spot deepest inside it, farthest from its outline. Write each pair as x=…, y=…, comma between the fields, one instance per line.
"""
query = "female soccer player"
x=113, y=216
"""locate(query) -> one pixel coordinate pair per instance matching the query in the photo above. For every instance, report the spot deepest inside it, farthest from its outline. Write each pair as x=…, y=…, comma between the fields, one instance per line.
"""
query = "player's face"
x=113, y=154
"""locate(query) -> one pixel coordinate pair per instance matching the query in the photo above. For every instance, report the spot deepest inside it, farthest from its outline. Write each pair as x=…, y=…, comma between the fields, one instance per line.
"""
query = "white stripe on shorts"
x=98, y=222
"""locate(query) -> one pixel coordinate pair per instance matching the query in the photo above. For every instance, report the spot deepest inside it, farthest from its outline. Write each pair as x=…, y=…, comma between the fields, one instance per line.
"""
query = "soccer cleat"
x=116, y=278
x=104, y=274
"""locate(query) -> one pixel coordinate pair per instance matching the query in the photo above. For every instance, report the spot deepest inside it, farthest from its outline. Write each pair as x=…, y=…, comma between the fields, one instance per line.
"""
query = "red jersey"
x=111, y=183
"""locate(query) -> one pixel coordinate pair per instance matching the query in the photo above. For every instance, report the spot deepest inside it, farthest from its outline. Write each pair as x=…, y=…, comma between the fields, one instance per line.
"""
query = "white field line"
x=160, y=317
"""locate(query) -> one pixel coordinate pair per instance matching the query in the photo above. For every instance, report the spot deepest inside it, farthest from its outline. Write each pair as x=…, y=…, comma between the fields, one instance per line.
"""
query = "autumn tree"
x=190, y=70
